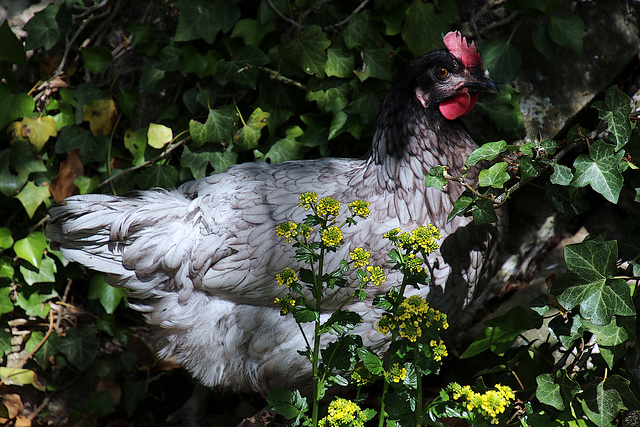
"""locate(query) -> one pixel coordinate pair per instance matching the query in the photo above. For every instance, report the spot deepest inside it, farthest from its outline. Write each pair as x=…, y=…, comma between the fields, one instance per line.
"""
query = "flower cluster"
x=332, y=236
x=439, y=350
x=307, y=200
x=412, y=316
x=489, y=404
x=414, y=264
x=328, y=207
x=359, y=208
x=361, y=376
x=395, y=373
x=376, y=275
x=287, y=277
x=343, y=413
x=286, y=304
x=290, y=230
x=360, y=257
x=423, y=239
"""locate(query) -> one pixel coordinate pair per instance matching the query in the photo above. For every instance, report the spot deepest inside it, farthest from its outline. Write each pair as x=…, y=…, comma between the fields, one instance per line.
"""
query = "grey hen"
x=200, y=261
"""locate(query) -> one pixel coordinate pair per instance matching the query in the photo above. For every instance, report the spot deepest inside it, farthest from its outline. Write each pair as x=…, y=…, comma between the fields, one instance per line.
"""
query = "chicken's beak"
x=479, y=82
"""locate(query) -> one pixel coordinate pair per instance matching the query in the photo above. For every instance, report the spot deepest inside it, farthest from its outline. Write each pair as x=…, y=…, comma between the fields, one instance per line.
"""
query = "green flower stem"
x=419, y=408
x=316, y=341
x=382, y=417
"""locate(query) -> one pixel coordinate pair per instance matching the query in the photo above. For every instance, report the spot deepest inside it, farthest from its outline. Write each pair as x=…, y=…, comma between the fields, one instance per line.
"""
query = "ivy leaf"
x=287, y=148
x=340, y=63
x=615, y=111
x=424, y=27
x=101, y=115
x=36, y=304
x=156, y=175
x=247, y=137
x=204, y=19
x=360, y=32
x=557, y=392
x=561, y=175
x=31, y=196
x=501, y=58
x=108, y=295
x=12, y=49
x=136, y=143
x=496, y=176
x=542, y=41
x=567, y=200
x=46, y=272
x=251, y=31
x=43, y=29
x=21, y=377
x=13, y=107
x=500, y=333
x=159, y=135
x=31, y=248
x=289, y=404
x=436, y=178
x=504, y=109
x=6, y=305
x=96, y=58
x=488, y=151
x=6, y=241
x=566, y=330
x=377, y=64
x=38, y=130
x=220, y=126
x=592, y=260
x=460, y=207
x=600, y=170
x=601, y=404
x=528, y=169
x=610, y=338
x=197, y=161
x=79, y=346
x=567, y=30
x=307, y=51
x=484, y=212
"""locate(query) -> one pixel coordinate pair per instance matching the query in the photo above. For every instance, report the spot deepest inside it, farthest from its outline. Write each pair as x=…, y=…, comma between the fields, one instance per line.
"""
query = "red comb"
x=467, y=54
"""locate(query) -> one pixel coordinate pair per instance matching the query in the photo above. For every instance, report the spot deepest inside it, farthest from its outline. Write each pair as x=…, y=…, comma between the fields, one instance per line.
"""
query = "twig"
x=282, y=15
x=273, y=74
x=348, y=18
x=466, y=185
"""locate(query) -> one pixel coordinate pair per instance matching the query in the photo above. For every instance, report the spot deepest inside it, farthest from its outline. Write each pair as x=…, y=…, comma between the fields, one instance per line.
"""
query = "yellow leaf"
x=38, y=130
x=159, y=135
x=13, y=130
x=101, y=115
x=21, y=377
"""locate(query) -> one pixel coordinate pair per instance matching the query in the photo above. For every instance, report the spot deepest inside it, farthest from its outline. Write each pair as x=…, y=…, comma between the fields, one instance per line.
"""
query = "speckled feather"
x=200, y=260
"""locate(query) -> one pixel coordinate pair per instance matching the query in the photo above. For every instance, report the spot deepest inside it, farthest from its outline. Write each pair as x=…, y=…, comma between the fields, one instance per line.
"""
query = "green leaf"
x=360, y=31
x=377, y=64
x=251, y=31
x=340, y=63
x=488, y=151
x=96, y=58
x=484, y=212
x=592, y=260
x=13, y=107
x=36, y=304
x=504, y=109
x=600, y=169
x=12, y=50
x=340, y=354
x=79, y=346
x=287, y=148
x=542, y=41
x=85, y=184
x=601, y=404
x=615, y=111
x=46, y=273
x=501, y=58
x=156, y=175
x=108, y=295
x=220, y=126
x=500, y=333
x=528, y=169
x=562, y=174
x=31, y=196
x=557, y=392
x=43, y=29
x=289, y=404
x=307, y=50
x=31, y=248
x=136, y=143
x=6, y=241
x=567, y=30
x=424, y=26
x=100, y=403
x=21, y=377
x=6, y=305
x=436, y=178
x=247, y=137
x=566, y=329
x=567, y=200
x=197, y=161
x=496, y=176
x=341, y=322
x=204, y=19
x=460, y=207
x=371, y=361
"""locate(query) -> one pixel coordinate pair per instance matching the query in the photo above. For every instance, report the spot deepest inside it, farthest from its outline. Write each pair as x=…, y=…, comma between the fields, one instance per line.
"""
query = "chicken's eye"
x=442, y=72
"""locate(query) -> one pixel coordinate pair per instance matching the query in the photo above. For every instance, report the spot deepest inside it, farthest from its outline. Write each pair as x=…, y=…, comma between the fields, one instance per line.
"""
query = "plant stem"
x=419, y=407
x=382, y=416
x=316, y=342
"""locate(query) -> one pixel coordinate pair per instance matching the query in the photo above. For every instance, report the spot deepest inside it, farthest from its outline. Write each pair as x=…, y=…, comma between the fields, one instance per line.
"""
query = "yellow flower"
x=439, y=350
x=287, y=277
x=425, y=238
x=328, y=207
x=414, y=264
x=359, y=208
x=360, y=257
x=288, y=230
x=361, y=376
x=395, y=373
x=489, y=404
x=307, y=200
x=285, y=304
x=376, y=275
x=332, y=236
x=343, y=412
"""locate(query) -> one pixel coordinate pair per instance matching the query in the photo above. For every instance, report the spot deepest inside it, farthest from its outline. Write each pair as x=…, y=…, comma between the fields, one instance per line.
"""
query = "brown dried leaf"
x=13, y=403
x=62, y=185
x=101, y=115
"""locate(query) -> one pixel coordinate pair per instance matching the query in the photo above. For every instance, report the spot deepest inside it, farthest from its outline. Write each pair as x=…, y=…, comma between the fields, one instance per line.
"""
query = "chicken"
x=200, y=261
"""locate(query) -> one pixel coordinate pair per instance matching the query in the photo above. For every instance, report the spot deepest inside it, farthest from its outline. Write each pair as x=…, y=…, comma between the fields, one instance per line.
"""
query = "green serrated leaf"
x=496, y=176
x=600, y=169
x=32, y=196
x=567, y=30
x=501, y=58
x=220, y=126
x=108, y=295
x=12, y=49
x=289, y=404
x=204, y=19
x=96, y=58
x=156, y=175
x=488, y=151
x=79, y=346
x=371, y=361
x=424, y=25
x=436, y=178
x=43, y=29
x=500, y=333
x=308, y=50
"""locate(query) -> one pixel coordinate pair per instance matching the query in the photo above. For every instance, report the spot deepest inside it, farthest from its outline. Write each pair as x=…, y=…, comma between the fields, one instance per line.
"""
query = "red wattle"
x=458, y=105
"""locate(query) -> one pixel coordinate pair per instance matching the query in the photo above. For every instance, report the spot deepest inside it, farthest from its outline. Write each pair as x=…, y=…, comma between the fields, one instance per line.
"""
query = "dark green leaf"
x=100, y=403
x=567, y=200
x=360, y=31
x=484, y=212
x=220, y=126
x=562, y=175
x=307, y=51
x=79, y=346
x=204, y=19
x=504, y=109
x=488, y=151
x=289, y=404
x=377, y=63
x=557, y=392
x=13, y=107
x=163, y=176
x=460, y=207
x=340, y=354
x=567, y=30
x=251, y=31
x=600, y=169
x=566, y=329
x=424, y=26
x=500, y=334
x=436, y=178
x=43, y=29
x=592, y=260
x=601, y=404
x=528, y=169
x=340, y=63
x=96, y=58
x=501, y=58
x=615, y=111
x=12, y=50
x=542, y=41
